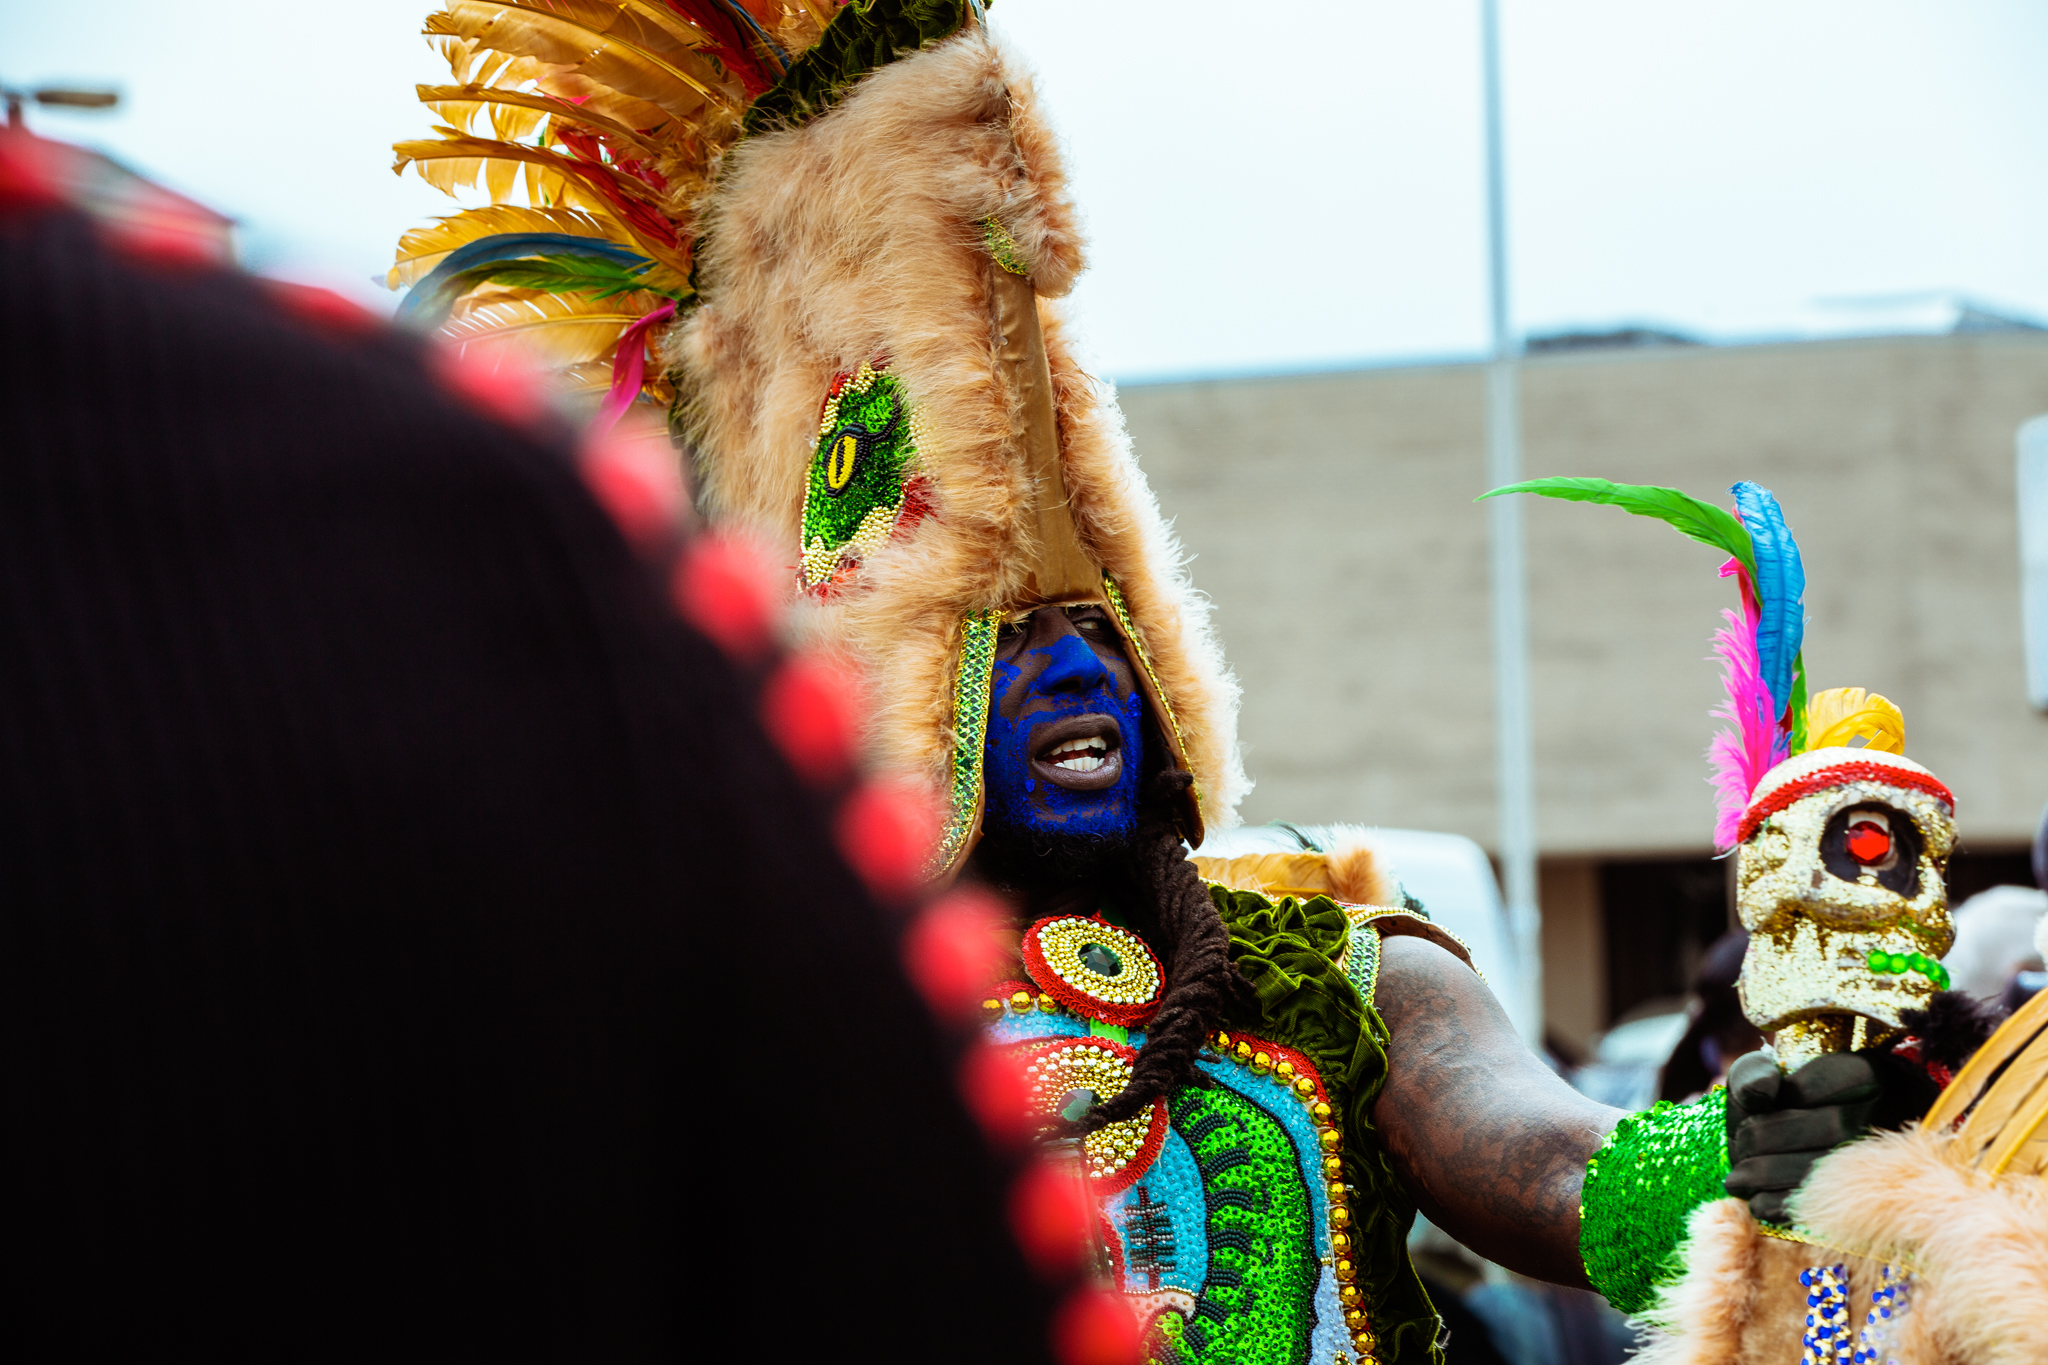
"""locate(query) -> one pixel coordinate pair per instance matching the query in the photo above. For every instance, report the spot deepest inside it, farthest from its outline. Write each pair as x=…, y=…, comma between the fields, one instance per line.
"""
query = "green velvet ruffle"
x=1289, y=949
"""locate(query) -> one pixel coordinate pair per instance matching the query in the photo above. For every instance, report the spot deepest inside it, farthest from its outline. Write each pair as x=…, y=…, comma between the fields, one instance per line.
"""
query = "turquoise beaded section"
x=1655, y=1168
x=1362, y=958
x=1893, y=964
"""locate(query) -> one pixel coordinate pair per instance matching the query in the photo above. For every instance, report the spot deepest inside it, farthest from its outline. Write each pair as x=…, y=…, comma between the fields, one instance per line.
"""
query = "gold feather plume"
x=598, y=119
x=559, y=330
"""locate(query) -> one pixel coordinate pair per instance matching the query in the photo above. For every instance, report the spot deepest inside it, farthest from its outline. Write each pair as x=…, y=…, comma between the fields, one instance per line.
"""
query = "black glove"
x=1779, y=1125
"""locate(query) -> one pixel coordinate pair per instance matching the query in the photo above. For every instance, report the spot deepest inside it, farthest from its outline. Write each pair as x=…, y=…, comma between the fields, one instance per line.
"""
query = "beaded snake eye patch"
x=1094, y=968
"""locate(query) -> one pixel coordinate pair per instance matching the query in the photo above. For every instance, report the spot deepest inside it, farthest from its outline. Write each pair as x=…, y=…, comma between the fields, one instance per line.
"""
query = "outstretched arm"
x=1492, y=1145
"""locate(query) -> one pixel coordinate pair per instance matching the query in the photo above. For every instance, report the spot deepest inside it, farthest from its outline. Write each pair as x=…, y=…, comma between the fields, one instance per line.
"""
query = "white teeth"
x=1095, y=744
x=1079, y=755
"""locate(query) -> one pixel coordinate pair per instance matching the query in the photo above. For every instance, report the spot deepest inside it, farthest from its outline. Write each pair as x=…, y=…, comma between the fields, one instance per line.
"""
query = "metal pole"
x=1515, y=765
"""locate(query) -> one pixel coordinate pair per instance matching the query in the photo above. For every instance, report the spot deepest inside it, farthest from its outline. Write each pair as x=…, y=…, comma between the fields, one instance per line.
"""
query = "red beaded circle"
x=1055, y=969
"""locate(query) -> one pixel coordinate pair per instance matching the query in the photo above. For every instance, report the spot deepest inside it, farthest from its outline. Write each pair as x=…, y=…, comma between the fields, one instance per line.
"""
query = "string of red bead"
x=1291, y=1069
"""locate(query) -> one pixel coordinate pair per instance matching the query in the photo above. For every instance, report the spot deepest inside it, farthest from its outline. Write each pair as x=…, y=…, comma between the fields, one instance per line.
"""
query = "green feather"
x=592, y=275
x=1797, y=706
x=1704, y=522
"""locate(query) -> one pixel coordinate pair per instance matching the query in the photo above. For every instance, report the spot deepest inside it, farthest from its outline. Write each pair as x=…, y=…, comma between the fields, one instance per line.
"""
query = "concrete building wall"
x=1331, y=520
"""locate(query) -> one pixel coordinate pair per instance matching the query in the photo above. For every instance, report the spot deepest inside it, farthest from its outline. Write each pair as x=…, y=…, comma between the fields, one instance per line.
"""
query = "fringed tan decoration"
x=1351, y=872
x=1944, y=1225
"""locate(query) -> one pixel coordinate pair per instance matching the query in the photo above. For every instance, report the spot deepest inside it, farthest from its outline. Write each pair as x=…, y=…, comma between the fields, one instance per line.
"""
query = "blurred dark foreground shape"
x=410, y=947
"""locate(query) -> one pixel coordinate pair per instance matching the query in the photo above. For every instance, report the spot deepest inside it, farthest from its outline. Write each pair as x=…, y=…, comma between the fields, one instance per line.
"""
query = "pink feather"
x=1741, y=756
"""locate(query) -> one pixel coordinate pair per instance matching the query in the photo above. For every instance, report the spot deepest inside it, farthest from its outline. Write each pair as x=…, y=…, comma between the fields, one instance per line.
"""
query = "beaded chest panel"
x=1224, y=1215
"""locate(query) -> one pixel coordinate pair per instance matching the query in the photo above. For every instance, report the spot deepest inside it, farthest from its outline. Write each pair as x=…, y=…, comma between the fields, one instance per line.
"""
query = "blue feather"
x=1780, y=584
x=428, y=303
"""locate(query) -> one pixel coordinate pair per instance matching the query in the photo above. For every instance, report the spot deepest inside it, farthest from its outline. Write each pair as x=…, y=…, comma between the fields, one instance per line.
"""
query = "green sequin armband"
x=1655, y=1168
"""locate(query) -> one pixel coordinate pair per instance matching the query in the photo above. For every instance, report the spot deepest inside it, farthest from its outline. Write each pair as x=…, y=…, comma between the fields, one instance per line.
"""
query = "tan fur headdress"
x=918, y=232
x=841, y=232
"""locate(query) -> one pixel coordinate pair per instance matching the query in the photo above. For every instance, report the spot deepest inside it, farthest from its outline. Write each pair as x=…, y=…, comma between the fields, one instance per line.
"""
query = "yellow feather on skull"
x=1850, y=718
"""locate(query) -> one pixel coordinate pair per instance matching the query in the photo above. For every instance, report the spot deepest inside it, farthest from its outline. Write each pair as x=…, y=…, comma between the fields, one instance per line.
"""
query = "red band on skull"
x=1838, y=775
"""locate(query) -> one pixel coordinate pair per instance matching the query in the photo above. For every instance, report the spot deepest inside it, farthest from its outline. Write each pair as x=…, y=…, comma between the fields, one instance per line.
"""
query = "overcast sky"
x=1279, y=189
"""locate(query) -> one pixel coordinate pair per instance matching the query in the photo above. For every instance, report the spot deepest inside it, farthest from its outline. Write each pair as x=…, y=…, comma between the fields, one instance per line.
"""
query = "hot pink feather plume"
x=1743, y=755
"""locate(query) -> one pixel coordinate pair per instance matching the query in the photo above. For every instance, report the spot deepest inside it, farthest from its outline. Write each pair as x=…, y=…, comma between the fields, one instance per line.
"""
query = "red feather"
x=730, y=43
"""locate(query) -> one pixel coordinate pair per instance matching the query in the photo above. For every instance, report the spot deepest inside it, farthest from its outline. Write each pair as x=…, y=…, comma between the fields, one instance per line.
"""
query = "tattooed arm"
x=1491, y=1144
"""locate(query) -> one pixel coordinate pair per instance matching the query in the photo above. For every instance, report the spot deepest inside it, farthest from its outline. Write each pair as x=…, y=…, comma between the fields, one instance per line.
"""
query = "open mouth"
x=1080, y=753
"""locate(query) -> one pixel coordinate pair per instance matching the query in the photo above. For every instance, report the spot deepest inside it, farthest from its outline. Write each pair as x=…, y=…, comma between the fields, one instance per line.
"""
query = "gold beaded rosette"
x=1094, y=969
x=1115, y=1154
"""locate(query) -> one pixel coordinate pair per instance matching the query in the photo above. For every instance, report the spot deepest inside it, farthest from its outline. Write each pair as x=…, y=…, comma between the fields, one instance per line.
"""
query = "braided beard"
x=1170, y=907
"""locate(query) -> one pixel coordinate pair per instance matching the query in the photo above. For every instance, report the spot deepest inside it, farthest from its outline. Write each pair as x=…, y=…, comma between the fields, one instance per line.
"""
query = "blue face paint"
x=1041, y=686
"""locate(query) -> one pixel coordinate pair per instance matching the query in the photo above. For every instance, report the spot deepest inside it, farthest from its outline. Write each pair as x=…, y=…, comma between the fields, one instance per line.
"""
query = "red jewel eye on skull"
x=1869, y=840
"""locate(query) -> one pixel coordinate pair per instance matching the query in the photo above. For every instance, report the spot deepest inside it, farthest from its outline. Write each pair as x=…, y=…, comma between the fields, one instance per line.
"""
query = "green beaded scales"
x=998, y=242
x=1115, y=596
x=1257, y=1303
x=1655, y=1168
x=971, y=682
x=865, y=457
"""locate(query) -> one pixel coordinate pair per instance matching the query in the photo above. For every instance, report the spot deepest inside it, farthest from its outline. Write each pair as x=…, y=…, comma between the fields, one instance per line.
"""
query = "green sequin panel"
x=971, y=681
x=1258, y=1297
x=1655, y=1168
x=867, y=448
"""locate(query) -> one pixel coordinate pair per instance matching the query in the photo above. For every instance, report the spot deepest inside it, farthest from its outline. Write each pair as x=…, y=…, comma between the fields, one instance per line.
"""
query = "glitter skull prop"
x=1840, y=882
x=1842, y=843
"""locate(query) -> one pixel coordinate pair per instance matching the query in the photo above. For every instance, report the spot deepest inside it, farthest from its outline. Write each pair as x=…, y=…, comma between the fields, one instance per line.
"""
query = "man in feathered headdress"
x=847, y=236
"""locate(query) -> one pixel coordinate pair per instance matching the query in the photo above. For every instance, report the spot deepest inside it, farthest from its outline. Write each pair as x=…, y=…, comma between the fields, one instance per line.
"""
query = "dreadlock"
x=1200, y=977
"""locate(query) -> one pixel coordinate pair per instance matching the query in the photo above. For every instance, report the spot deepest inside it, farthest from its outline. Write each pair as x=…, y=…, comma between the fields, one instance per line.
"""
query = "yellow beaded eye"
x=839, y=464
